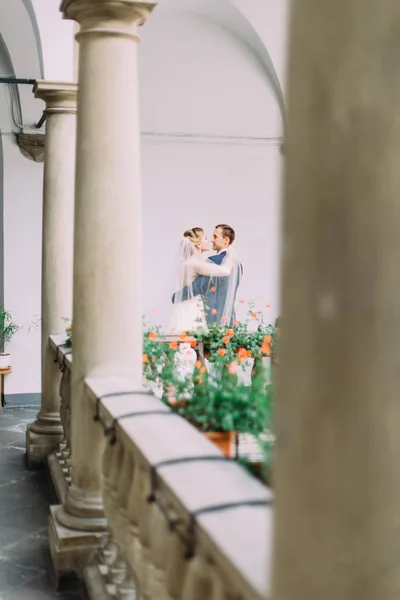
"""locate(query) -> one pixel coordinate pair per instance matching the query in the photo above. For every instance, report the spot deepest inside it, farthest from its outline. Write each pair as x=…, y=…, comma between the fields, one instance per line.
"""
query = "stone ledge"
x=62, y=352
x=237, y=539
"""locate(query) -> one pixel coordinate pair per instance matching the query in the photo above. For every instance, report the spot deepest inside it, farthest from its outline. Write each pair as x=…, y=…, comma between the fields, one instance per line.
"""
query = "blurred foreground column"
x=338, y=423
x=107, y=315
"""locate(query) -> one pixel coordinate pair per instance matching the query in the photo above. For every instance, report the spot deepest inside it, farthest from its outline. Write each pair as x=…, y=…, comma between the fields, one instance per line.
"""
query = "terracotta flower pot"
x=225, y=440
x=177, y=404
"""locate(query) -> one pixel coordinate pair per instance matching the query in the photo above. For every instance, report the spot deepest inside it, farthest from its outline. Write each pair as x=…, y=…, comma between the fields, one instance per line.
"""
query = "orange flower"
x=222, y=351
x=267, y=339
x=174, y=345
x=213, y=288
x=236, y=322
x=203, y=370
x=199, y=380
x=153, y=360
x=153, y=335
x=198, y=364
x=226, y=339
x=224, y=319
x=145, y=358
x=193, y=343
x=254, y=315
x=214, y=311
x=230, y=332
x=69, y=329
x=265, y=350
x=242, y=353
x=248, y=353
x=183, y=336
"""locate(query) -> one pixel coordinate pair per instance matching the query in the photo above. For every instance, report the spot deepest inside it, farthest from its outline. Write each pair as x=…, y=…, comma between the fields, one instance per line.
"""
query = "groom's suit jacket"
x=214, y=291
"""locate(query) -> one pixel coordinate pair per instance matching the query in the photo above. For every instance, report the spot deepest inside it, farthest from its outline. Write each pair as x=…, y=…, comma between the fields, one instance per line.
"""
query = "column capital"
x=131, y=11
x=60, y=97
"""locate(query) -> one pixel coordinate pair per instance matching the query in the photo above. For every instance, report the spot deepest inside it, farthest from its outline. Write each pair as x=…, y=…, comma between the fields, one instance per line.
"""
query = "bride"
x=189, y=314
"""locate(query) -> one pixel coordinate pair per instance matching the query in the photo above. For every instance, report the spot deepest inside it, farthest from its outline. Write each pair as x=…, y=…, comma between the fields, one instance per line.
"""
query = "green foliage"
x=7, y=328
x=225, y=344
x=159, y=365
x=216, y=401
x=220, y=403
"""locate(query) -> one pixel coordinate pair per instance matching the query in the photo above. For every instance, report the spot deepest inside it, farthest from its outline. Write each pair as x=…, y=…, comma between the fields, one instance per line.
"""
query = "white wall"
x=22, y=263
x=21, y=197
x=197, y=77
x=57, y=40
x=203, y=186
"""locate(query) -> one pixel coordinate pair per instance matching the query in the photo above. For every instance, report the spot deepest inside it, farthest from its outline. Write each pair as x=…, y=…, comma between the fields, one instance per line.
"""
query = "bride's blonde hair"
x=194, y=235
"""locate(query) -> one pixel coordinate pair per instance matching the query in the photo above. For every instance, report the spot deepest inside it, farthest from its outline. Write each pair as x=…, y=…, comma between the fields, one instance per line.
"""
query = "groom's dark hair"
x=227, y=231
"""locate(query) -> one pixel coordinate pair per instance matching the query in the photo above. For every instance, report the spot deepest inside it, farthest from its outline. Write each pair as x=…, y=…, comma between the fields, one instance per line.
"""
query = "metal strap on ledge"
x=111, y=430
x=177, y=461
x=189, y=538
x=116, y=394
x=63, y=365
x=191, y=530
x=66, y=345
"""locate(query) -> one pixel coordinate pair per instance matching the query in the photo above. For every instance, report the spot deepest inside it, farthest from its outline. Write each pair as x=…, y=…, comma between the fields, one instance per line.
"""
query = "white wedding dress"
x=189, y=314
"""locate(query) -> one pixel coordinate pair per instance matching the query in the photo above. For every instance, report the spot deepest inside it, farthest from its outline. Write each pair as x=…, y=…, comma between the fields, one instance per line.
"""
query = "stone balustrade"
x=188, y=523
x=184, y=522
x=59, y=461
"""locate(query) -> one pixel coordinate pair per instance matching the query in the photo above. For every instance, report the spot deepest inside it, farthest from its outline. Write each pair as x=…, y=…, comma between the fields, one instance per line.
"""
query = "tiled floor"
x=25, y=497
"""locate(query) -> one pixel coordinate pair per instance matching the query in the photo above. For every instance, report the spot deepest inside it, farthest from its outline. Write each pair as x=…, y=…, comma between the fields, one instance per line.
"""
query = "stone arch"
x=19, y=31
x=251, y=11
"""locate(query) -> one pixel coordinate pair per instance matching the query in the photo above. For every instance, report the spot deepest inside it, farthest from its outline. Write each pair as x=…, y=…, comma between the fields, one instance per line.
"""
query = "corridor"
x=24, y=500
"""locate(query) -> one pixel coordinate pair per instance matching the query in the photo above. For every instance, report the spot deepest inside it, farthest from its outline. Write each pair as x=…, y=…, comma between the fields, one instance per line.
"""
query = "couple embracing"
x=207, y=288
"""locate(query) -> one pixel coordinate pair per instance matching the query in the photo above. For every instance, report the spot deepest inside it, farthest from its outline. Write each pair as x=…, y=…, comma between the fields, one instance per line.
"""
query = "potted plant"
x=7, y=331
x=222, y=408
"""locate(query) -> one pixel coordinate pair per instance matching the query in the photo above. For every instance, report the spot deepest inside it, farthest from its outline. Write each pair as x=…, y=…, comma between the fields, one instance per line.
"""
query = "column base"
x=39, y=443
x=71, y=551
x=58, y=477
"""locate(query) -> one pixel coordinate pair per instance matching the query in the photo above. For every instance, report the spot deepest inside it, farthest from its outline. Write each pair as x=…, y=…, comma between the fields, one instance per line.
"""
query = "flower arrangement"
x=251, y=338
x=215, y=402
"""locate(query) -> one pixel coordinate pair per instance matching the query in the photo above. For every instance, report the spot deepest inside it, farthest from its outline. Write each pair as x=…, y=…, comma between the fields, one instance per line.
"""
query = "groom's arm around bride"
x=202, y=283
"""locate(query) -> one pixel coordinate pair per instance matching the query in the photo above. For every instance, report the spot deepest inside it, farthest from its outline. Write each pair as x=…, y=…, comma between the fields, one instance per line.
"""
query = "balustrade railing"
x=185, y=523
x=59, y=462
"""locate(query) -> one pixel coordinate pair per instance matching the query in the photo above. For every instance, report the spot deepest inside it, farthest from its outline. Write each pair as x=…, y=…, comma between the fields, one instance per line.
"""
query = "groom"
x=215, y=289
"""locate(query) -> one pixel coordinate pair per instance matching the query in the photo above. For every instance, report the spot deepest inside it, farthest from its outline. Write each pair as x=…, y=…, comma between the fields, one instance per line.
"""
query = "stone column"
x=337, y=476
x=57, y=255
x=107, y=338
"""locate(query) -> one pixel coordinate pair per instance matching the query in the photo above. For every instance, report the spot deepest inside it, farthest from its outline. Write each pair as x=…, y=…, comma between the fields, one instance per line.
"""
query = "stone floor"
x=25, y=497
